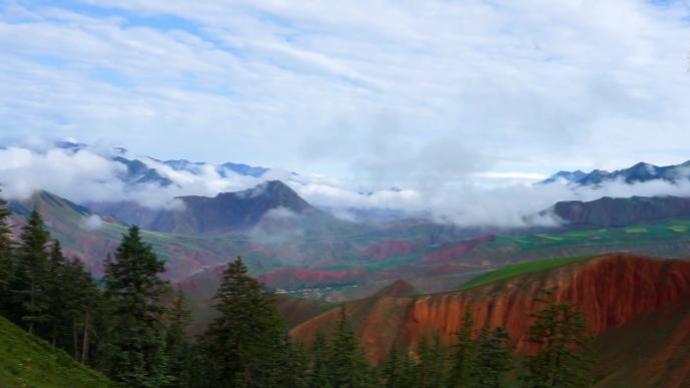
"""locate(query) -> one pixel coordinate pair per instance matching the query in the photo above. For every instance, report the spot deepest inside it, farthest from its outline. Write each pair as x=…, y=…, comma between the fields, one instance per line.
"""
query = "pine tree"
x=84, y=306
x=134, y=292
x=493, y=359
x=464, y=353
x=348, y=363
x=563, y=360
x=398, y=371
x=392, y=369
x=319, y=375
x=29, y=285
x=407, y=374
x=292, y=363
x=243, y=343
x=299, y=365
x=431, y=370
x=177, y=343
x=7, y=260
x=56, y=286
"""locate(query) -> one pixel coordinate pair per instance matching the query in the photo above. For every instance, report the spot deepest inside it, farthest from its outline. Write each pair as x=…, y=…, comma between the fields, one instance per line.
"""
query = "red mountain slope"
x=612, y=290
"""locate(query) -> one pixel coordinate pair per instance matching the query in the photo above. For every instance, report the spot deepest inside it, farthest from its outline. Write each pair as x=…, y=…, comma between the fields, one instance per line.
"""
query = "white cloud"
x=531, y=85
x=445, y=99
x=80, y=176
x=88, y=175
x=93, y=222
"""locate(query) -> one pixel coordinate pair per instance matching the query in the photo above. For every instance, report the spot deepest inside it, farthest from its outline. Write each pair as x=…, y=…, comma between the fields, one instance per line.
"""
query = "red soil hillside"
x=397, y=288
x=612, y=290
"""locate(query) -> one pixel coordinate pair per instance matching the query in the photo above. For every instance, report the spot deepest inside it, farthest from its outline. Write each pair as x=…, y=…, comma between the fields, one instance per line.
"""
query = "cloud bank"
x=87, y=175
x=534, y=86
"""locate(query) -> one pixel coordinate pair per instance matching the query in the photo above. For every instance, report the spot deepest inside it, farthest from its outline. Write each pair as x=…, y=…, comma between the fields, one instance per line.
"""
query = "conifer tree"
x=177, y=343
x=84, y=303
x=349, y=366
x=134, y=294
x=407, y=376
x=431, y=370
x=56, y=285
x=319, y=373
x=243, y=342
x=463, y=356
x=563, y=359
x=7, y=260
x=392, y=369
x=29, y=284
x=493, y=359
x=291, y=363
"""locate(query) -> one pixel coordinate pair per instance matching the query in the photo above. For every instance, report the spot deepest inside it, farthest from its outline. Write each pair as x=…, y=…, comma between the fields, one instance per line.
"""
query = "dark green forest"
x=132, y=326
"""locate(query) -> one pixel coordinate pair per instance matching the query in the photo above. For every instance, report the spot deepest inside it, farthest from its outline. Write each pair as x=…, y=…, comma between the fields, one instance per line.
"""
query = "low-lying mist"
x=90, y=175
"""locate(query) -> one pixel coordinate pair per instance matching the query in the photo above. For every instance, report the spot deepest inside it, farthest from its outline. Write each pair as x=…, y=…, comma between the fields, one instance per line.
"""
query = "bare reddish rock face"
x=611, y=290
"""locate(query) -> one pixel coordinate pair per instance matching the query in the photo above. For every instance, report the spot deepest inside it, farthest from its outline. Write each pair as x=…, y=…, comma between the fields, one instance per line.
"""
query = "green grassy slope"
x=673, y=231
x=27, y=361
x=511, y=271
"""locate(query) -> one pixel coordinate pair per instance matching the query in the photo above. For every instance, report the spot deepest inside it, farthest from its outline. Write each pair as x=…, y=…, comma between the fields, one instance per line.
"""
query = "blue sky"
x=394, y=92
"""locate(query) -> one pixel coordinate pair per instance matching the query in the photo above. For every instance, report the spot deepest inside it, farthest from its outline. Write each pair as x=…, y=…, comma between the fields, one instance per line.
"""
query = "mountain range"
x=640, y=172
x=148, y=170
x=406, y=278
x=223, y=213
x=621, y=212
x=293, y=245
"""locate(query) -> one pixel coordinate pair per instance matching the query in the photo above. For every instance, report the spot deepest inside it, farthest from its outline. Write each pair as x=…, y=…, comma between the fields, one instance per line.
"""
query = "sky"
x=396, y=93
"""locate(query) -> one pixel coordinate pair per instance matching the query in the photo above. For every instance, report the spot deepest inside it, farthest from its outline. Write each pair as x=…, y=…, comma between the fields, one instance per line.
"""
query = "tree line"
x=133, y=326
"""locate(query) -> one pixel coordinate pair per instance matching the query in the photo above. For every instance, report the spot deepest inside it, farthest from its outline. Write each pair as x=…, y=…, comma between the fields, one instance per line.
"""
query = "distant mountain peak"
x=399, y=287
x=275, y=186
x=232, y=211
x=637, y=173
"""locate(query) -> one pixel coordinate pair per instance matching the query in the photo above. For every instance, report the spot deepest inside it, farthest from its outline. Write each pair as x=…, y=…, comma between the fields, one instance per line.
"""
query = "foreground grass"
x=27, y=361
x=511, y=271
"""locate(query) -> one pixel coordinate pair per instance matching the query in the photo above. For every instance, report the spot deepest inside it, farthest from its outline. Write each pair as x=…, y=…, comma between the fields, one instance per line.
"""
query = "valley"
x=344, y=194
x=403, y=281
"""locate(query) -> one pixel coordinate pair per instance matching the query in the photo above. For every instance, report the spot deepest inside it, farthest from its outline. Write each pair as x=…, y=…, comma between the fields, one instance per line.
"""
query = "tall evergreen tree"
x=560, y=332
x=431, y=370
x=291, y=363
x=7, y=260
x=493, y=359
x=134, y=294
x=243, y=342
x=56, y=288
x=29, y=284
x=407, y=376
x=349, y=366
x=84, y=303
x=319, y=372
x=177, y=343
x=463, y=356
x=392, y=369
